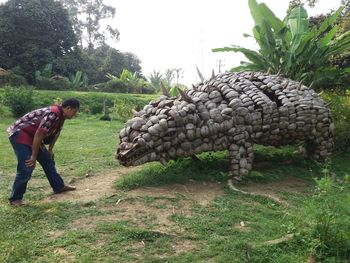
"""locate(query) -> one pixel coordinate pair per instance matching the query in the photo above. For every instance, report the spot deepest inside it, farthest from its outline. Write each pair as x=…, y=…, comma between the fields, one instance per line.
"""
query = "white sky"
x=181, y=33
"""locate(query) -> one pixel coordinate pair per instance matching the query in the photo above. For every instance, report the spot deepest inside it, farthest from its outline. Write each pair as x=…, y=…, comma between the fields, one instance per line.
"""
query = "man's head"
x=70, y=108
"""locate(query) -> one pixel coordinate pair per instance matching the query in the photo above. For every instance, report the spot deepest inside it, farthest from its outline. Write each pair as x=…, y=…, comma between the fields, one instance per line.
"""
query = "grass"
x=172, y=227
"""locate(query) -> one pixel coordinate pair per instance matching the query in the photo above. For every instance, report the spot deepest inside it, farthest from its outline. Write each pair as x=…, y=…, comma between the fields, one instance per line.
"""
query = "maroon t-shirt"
x=47, y=120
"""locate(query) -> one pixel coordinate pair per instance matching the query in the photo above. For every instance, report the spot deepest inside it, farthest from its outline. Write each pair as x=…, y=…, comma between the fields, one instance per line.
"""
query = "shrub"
x=148, y=89
x=10, y=78
x=326, y=219
x=96, y=107
x=91, y=102
x=19, y=99
x=123, y=109
x=53, y=83
x=340, y=106
x=116, y=85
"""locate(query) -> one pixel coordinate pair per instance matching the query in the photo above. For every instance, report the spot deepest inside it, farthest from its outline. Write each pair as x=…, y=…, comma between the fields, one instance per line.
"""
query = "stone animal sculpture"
x=231, y=111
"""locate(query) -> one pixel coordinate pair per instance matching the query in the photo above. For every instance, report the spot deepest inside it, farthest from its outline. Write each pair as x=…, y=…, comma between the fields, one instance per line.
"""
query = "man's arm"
x=37, y=141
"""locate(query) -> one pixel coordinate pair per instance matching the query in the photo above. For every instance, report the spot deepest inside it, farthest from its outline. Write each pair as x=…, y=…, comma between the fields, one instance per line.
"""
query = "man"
x=28, y=136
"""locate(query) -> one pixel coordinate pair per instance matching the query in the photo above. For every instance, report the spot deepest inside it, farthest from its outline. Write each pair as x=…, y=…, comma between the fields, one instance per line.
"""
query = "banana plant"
x=78, y=80
x=289, y=46
x=45, y=73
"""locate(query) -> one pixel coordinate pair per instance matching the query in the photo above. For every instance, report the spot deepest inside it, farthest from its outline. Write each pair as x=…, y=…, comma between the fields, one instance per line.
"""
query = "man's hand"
x=31, y=162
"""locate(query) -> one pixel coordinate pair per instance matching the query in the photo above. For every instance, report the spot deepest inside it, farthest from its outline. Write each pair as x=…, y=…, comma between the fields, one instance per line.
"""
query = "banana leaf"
x=329, y=21
x=261, y=12
x=252, y=55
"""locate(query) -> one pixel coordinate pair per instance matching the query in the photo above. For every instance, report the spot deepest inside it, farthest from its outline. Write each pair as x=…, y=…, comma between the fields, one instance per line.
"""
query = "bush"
x=54, y=83
x=326, y=220
x=340, y=107
x=92, y=102
x=123, y=109
x=148, y=89
x=95, y=107
x=114, y=85
x=19, y=99
x=12, y=79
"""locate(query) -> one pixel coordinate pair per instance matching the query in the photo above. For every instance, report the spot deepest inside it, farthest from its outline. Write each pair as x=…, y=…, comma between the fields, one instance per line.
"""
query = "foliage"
x=11, y=78
x=105, y=112
x=326, y=216
x=293, y=49
x=78, y=80
x=46, y=73
x=115, y=85
x=155, y=78
x=54, y=83
x=33, y=34
x=169, y=76
x=123, y=109
x=88, y=19
x=19, y=99
x=90, y=102
x=96, y=63
x=343, y=25
x=134, y=83
x=296, y=3
x=340, y=107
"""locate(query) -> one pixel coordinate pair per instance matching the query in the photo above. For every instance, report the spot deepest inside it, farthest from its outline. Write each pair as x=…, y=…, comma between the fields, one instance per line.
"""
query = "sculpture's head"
x=156, y=133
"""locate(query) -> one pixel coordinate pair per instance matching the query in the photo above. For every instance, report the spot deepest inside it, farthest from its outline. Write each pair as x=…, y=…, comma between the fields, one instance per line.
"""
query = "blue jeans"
x=24, y=173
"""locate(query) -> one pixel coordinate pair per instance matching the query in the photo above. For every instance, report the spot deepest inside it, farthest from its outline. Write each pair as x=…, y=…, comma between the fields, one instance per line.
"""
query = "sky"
x=180, y=34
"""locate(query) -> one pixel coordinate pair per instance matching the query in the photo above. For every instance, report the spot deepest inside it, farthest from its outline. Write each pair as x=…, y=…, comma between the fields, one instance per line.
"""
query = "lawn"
x=180, y=213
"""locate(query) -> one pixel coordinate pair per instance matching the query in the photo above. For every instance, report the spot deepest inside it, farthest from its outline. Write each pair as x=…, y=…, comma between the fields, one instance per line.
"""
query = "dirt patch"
x=274, y=189
x=287, y=184
x=201, y=192
x=153, y=215
x=184, y=246
x=94, y=187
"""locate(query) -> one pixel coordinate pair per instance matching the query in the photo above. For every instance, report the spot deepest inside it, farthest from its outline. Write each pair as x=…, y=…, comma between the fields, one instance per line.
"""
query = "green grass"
x=124, y=228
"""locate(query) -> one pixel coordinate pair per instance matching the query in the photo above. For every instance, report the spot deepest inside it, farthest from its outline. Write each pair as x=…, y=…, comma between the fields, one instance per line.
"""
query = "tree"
x=87, y=17
x=105, y=59
x=33, y=34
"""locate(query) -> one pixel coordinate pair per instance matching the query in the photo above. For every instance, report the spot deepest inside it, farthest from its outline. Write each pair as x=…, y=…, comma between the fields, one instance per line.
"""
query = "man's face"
x=69, y=112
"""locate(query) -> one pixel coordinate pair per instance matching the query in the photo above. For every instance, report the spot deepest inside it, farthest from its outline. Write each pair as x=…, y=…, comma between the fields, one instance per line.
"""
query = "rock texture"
x=230, y=111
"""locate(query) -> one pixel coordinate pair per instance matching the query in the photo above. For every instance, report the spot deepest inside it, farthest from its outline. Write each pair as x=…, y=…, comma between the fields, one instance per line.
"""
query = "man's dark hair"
x=73, y=103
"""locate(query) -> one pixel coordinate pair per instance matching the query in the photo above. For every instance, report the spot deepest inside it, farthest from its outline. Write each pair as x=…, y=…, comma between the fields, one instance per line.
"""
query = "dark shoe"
x=66, y=188
x=17, y=203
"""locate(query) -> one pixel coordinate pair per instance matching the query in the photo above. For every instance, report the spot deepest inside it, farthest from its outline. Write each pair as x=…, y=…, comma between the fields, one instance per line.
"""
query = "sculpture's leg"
x=241, y=160
x=320, y=146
